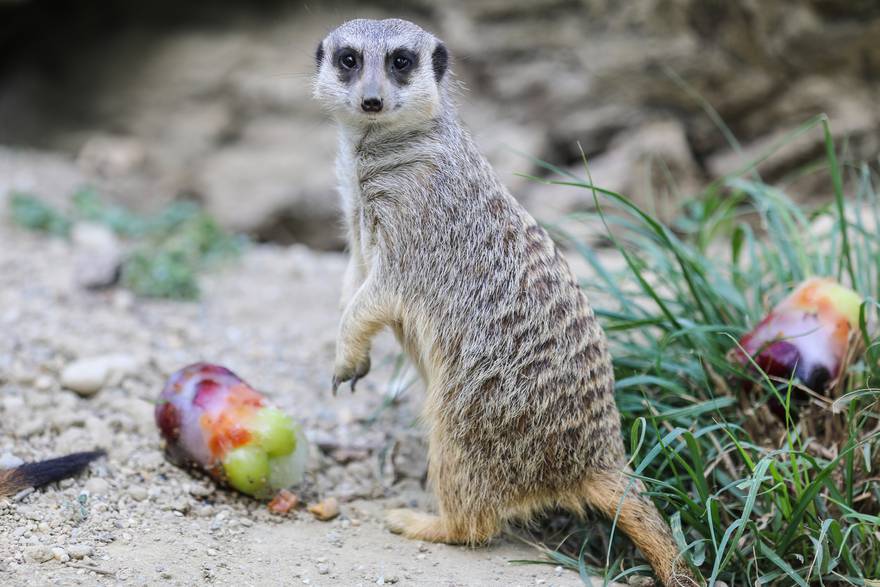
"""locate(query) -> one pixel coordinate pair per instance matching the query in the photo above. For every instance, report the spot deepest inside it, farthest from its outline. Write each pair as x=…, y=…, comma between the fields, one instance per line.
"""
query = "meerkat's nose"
x=372, y=104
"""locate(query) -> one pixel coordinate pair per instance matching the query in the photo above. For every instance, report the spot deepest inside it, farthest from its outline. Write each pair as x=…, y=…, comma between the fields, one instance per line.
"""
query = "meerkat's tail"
x=610, y=492
x=44, y=472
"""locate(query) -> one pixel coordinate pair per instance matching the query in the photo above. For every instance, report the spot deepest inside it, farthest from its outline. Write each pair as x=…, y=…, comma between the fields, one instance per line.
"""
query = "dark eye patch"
x=400, y=64
x=348, y=63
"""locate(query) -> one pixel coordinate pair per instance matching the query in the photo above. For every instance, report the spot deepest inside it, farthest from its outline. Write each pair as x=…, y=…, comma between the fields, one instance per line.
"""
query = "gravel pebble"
x=138, y=492
x=9, y=461
x=79, y=551
x=325, y=510
x=97, y=486
x=87, y=376
x=38, y=554
x=60, y=554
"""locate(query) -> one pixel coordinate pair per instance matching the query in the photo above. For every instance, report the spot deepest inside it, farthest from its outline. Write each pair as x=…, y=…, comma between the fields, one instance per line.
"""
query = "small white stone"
x=97, y=486
x=43, y=382
x=87, y=376
x=38, y=554
x=60, y=554
x=138, y=493
x=98, y=255
x=9, y=461
x=79, y=550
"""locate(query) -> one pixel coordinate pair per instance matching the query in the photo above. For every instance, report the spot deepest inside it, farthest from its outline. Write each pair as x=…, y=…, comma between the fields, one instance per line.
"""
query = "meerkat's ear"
x=440, y=61
x=319, y=54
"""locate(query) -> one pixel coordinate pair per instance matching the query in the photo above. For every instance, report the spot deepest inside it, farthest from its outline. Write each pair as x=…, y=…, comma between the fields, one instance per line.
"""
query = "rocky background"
x=211, y=100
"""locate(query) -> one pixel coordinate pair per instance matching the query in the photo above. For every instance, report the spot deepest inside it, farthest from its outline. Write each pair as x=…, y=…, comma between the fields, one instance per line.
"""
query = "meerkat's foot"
x=420, y=526
x=430, y=528
x=352, y=371
x=416, y=525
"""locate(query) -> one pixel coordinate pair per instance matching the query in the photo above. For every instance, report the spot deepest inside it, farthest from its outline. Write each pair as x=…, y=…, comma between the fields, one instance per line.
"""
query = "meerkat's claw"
x=353, y=375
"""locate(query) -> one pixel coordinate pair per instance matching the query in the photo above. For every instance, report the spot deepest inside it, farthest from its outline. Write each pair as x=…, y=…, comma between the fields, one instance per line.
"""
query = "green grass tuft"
x=792, y=504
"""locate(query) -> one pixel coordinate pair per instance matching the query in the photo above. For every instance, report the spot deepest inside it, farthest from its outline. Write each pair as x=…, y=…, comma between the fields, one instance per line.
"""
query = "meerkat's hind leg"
x=471, y=530
x=640, y=519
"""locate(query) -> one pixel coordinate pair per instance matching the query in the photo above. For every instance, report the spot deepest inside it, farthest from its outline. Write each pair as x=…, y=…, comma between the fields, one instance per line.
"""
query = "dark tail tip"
x=44, y=472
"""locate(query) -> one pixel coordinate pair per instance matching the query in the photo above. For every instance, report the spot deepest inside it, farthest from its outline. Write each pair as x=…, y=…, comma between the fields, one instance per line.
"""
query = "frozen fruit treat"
x=806, y=335
x=212, y=419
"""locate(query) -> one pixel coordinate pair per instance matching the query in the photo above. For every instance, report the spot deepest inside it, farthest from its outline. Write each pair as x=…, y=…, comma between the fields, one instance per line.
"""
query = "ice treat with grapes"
x=212, y=419
x=806, y=335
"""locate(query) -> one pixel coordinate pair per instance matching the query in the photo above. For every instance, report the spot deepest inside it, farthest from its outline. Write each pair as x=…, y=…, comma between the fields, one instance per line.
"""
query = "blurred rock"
x=265, y=187
x=325, y=510
x=98, y=255
x=112, y=155
x=38, y=553
x=510, y=146
x=652, y=165
x=87, y=376
x=79, y=551
x=48, y=175
x=409, y=458
x=852, y=116
x=97, y=486
x=220, y=108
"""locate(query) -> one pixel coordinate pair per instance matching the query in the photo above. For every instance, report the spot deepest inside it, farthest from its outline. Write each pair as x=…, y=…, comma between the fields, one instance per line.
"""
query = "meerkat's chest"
x=352, y=202
x=347, y=178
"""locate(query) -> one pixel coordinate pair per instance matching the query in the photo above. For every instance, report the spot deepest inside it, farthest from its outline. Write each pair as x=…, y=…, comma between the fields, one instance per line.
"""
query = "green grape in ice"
x=274, y=431
x=247, y=469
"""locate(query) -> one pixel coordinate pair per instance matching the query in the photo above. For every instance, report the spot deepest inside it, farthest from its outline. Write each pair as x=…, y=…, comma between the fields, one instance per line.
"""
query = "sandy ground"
x=133, y=519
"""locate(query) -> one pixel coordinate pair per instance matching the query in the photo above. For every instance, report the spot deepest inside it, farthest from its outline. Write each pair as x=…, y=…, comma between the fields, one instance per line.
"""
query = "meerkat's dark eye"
x=400, y=62
x=348, y=60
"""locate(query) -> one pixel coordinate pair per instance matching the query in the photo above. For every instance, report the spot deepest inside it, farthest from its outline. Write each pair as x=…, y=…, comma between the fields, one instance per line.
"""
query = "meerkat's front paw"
x=350, y=372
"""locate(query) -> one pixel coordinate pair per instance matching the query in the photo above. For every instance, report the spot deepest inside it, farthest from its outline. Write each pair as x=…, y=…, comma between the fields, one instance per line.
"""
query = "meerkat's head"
x=381, y=72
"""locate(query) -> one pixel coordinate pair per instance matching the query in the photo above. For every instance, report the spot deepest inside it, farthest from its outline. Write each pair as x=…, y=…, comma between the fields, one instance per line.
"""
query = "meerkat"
x=44, y=472
x=520, y=404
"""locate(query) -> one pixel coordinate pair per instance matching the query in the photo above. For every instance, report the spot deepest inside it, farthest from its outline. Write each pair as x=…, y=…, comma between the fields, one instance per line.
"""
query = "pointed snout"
x=371, y=92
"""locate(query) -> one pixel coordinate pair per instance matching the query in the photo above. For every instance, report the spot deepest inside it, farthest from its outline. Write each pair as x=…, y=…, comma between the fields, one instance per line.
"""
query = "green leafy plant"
x=794, y=504
x=34, y=214
x=168, y=249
